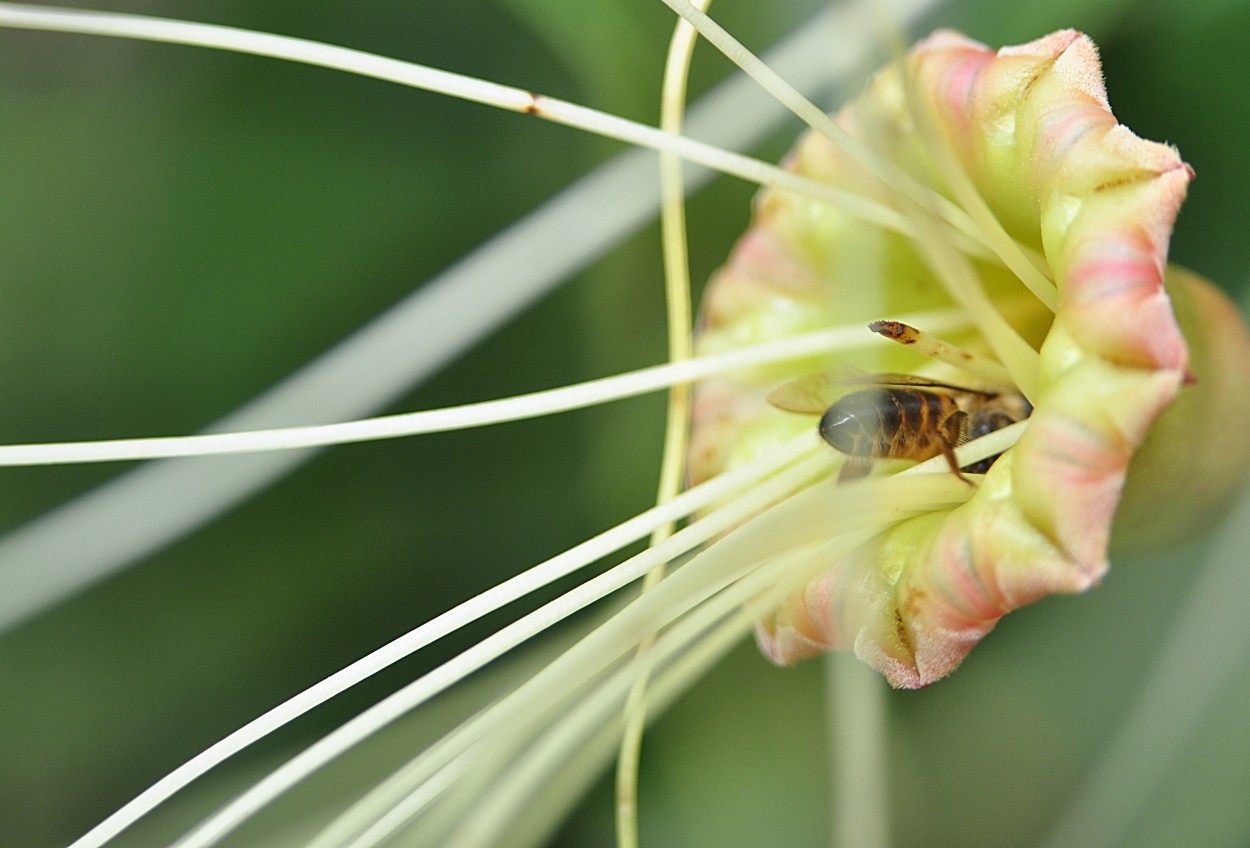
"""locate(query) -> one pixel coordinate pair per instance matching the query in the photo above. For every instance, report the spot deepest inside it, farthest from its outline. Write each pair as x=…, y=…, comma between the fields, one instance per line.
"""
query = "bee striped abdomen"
x=887, y=422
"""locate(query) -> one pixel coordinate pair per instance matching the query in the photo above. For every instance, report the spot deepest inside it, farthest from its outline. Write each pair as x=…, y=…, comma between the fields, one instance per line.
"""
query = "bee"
x=899, y=416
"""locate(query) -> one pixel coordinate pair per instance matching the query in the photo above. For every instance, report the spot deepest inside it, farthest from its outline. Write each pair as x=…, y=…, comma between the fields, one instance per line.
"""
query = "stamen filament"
x=779, y=575
x=474, y=90
x=696, y=499
x=734, y=164
x=961, y=185
x=816, y=118
x=677, y=426
x=510, y=724
x=932, y=345
x=1024, y=264
x=401, y=702
x=629, y=384
x=363, y=373
x=510, y=791
x=398, y=801
x=956, y=273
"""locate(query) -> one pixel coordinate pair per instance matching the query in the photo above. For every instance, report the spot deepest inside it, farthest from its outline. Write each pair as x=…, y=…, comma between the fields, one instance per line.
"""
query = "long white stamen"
x=508, y=795
x=406, y=699
x=1027, y=268
x=836, y=512
x=744, y=167
x=948, y=261
x=957, y=274
x=88, y=538
x=471, y=610
x=803, y=520
x=947, y=257
x=481, y=414
x=817, y=119
x=426, y=687
x=426, y=78
x=400, y=799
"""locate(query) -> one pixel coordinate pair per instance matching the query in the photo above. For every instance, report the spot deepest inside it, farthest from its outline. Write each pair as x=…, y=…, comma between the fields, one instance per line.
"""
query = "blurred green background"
x=182, y=228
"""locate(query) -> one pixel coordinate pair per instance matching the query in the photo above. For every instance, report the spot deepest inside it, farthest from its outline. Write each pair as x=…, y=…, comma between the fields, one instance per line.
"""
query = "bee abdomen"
x=854, y=424
x=883, y=423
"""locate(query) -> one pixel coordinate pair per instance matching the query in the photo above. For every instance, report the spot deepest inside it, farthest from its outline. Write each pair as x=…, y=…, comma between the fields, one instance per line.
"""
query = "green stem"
x=857, y=715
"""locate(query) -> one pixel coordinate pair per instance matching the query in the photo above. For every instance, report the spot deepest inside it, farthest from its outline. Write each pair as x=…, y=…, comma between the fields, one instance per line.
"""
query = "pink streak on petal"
x=1084, y=474
x=1115, y=303
x=958, y=87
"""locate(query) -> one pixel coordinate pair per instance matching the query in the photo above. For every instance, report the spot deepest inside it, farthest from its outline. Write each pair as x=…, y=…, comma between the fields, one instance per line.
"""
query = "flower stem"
x=858, y=730
x=677, y=425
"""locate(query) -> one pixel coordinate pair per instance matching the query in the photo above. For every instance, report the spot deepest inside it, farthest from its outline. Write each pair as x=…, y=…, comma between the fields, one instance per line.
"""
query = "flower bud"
x=1196, y=457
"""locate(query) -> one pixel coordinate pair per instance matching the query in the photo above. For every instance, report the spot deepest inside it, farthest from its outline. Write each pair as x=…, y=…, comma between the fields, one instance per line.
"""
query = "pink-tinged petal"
x=1113, y=259
x=1032, y=129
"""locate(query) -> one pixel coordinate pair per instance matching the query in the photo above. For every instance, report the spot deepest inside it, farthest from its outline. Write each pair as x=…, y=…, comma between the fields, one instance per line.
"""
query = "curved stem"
x=677, y=425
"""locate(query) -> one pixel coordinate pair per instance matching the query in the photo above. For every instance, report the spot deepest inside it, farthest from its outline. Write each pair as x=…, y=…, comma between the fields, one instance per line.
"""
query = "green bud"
x=1196, y=457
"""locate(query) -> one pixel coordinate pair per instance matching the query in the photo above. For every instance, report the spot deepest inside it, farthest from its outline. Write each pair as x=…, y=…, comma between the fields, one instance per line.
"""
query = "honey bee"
x=900, y=416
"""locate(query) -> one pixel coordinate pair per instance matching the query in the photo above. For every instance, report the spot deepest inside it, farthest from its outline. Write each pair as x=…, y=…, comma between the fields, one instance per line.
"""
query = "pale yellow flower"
x=1022, y=136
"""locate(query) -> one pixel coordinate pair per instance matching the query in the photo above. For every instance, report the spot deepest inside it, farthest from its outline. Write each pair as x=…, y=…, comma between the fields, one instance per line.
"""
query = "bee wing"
x=810, y=394
x=912, y=381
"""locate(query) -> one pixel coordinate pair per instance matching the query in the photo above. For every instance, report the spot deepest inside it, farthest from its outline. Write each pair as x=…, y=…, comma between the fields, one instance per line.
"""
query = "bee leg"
x=952, y=432
x=854, y=468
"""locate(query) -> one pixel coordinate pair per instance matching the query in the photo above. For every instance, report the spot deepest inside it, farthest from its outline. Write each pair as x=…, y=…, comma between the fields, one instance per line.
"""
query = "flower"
x=1023, y=139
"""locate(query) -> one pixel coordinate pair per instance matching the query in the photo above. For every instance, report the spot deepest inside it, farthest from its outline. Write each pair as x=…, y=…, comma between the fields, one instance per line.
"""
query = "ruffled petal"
x=1031, y=127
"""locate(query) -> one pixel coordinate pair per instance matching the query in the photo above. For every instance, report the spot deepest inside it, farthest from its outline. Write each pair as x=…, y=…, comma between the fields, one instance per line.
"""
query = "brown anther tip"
x=1189, y=379
x=896, y=330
